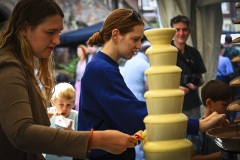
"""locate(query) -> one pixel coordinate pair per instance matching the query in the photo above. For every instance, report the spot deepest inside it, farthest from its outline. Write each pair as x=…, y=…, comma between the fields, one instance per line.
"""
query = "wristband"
x=90, y=140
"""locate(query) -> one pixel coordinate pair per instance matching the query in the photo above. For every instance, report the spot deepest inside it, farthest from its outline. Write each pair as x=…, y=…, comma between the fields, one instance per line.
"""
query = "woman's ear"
x=115, y=33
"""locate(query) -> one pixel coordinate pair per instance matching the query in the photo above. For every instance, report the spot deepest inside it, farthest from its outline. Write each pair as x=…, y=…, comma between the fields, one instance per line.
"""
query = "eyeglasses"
x=135, y=15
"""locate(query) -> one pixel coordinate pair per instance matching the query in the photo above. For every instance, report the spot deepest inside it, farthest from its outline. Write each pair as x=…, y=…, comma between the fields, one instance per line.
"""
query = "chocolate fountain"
x=228, y=137
x=164, y=137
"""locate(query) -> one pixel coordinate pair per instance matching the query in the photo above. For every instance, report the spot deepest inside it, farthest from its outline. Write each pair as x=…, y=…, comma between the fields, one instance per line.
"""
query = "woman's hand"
x=112, y=141
x=211, y=121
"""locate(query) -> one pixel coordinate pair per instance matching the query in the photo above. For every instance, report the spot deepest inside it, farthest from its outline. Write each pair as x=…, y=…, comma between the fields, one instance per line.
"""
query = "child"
x=216, y=96
x=61, y=114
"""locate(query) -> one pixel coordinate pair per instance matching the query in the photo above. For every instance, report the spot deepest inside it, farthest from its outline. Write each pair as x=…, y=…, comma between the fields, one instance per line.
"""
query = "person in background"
x=62, y=77
x=105, y=99
x=28, y=39
x=225, y=70
x=136, y=80
x=216, y=96
x=92, y=50
x=192, y=65
x=230, y=51
x=133, y=73
x=82, y=53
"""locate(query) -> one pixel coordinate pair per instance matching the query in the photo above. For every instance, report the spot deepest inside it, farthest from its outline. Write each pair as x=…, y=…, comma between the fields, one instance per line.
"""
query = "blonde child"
x=61, y=114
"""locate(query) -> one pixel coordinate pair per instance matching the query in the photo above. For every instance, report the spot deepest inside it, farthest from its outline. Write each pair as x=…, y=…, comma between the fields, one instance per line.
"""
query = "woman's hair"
x=216, y=90
x=84, y=49
x=34, y=12
x=63, y=90
x=122, y=19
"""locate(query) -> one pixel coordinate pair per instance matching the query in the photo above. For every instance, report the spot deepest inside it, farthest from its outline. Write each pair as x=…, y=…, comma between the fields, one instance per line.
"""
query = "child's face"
x=63, y=106
x=219, y=106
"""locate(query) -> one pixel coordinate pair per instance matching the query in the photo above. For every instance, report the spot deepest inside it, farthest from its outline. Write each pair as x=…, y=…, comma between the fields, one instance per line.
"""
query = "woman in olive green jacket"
x=27, y=40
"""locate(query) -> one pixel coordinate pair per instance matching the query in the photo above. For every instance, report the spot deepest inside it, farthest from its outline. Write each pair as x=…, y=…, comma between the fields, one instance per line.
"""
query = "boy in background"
x=216, y=96
x=61, y=113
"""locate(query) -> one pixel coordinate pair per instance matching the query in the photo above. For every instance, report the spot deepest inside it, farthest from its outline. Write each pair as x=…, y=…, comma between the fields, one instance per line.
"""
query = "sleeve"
x=18, y=128
x=193, y=126
x=237, y=52
x=229, y=68
x=127, y=112
x=118, y=105
x=199, y=63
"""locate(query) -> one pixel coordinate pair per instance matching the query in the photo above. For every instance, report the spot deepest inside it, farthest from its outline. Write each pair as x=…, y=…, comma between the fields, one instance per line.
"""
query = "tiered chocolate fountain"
x=164, y=137
x=228, y=137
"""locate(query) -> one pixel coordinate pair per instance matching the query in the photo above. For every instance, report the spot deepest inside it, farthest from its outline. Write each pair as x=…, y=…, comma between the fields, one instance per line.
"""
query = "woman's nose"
x=139, y=45
x=56, y=39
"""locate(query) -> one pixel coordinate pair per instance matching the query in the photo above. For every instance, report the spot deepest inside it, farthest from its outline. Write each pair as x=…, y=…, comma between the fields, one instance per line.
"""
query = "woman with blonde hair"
x=28, y=38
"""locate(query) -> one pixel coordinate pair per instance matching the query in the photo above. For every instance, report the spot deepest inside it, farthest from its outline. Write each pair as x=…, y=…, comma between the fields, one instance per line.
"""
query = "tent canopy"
x=80, y=36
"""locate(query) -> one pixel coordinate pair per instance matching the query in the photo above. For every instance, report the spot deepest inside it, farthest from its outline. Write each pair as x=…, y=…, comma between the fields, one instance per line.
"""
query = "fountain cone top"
x=166, y=38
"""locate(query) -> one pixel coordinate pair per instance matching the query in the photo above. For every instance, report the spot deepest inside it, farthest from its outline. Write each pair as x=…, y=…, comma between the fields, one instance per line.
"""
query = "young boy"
x=61, y=113
x=216, y=96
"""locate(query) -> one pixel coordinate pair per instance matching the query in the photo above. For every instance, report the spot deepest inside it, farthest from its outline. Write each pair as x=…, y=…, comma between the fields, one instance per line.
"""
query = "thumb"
x=70, y=124
x=69, y=127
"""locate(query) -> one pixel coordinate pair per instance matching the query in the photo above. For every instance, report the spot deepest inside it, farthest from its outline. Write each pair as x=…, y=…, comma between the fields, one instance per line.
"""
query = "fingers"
x=184, y=89
x=223, y=121
x=58, y=114
x=192, y=86
x=113, y=141
x=213, y=120
x=131, y=145
x=132, y=142
x=221, y=118
x=216, y=116
x=139, y=135
x=69, y=127
x=50, y=114
x=70, y=124
x=212, y=115
x=226, y=123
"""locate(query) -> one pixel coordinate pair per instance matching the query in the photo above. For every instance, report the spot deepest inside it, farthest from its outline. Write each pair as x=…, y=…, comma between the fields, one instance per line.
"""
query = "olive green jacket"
x=24, y=123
